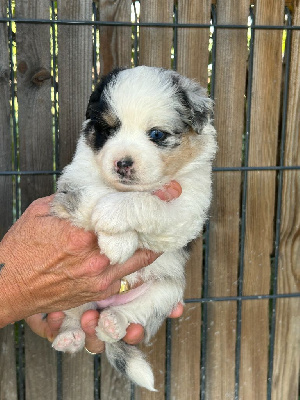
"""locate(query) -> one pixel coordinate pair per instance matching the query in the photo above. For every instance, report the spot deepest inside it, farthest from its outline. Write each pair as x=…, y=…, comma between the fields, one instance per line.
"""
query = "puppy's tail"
x=131, y=362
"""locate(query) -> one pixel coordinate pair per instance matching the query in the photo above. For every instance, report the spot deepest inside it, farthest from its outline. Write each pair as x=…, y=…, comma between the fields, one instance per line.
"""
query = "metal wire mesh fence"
x=13, y=172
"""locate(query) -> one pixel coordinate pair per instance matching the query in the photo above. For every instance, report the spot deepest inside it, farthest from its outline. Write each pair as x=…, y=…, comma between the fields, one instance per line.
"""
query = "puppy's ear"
x=95, y=105
x=197, y=108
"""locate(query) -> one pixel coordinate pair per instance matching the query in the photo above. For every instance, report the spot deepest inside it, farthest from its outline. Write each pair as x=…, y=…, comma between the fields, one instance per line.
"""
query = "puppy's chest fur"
x=144, y=128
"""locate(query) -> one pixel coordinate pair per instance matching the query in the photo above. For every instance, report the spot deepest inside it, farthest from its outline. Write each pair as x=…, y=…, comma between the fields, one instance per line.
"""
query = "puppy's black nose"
x=124, y=167
x=125, y=163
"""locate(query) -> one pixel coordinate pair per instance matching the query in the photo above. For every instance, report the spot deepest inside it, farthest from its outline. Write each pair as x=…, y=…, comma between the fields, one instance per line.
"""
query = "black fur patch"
x=121, y=365
x=192, y=117
x=103, y=123
x=2, y=265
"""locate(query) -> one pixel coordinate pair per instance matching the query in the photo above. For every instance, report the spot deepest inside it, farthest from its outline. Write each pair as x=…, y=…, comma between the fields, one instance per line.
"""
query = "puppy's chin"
x=133, y=185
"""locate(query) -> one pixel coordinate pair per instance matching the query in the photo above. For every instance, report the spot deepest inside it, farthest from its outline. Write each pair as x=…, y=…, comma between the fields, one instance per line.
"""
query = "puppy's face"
x=144, y=125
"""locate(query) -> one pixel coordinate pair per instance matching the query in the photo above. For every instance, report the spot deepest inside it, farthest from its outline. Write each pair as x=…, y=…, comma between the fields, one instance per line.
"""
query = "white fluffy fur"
x=128, y=216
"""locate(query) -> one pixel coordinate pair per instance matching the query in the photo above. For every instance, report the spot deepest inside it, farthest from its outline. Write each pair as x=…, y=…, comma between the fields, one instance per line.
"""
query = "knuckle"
x=147, y=257
x=39, y=206
x=80, y=239
x=97, y=264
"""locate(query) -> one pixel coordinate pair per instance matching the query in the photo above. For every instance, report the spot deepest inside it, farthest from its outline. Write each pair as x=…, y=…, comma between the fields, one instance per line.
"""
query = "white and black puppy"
x=145, y=127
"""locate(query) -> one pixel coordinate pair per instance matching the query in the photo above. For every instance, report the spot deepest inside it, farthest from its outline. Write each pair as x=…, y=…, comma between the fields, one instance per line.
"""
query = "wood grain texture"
x=35, y=138
x=113, y=385
x=75, y=57
x=5, y=138
x=192, y=60
x=8, y=386
x=192, y=47
x=40, y=368
x=260, y=208
x=186, y=334
x=115, y=42
x=230, y=85
x=287, y=336
x=75, y=84
x=156, y=43
x=8, y=381
x=34, y=98
x=156, y=355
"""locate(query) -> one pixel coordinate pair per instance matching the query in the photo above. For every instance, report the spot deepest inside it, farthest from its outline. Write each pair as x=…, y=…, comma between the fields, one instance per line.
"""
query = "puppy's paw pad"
x=69, y=341
x=111, y=326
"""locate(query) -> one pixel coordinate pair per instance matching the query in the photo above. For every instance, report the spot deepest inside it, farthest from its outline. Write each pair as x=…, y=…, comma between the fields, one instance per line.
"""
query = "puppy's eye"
x=156, y=135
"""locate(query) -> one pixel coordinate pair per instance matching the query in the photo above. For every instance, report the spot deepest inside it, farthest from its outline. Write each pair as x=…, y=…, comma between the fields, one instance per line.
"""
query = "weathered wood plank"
x=192, y=46
x=267, y=69
x=5, y=138
x=156, y=43
x=8, y=382
x=230, y=84
x=186, y=335
x=8, y=387
x=35, y=135
x=186, y=332
x=115, y=42
x=75, y=57
x=34, y=112
x=113, y=385
x=156, y=356
x=75, y=84
x=287, y=336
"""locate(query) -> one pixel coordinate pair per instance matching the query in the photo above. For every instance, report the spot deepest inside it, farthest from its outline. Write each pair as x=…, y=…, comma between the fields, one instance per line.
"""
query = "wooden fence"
x=240, y=332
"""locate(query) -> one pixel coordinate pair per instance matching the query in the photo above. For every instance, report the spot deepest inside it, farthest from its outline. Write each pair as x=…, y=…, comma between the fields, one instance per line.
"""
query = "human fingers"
x=134, y=334
x=140, y=259
x=39, y=325
x=55, y=320
x=169, y=192
x=177, y=311
x=89, y=322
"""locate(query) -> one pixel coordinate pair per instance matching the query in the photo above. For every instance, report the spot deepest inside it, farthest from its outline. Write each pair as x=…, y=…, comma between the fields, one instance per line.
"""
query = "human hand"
x=49, y=328
x=50, y=265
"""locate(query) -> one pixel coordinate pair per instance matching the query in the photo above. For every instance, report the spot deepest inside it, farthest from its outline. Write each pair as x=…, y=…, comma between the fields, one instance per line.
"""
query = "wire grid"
x=53, y=22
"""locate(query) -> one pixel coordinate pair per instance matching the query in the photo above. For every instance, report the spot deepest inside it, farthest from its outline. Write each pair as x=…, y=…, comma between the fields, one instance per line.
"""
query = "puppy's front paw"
x=109, y=215
x=118, y=248
x=111, y=326
x=69, y=341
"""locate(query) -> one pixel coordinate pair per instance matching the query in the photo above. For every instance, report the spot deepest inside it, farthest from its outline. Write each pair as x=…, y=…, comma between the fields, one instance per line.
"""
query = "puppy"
x=144, y=127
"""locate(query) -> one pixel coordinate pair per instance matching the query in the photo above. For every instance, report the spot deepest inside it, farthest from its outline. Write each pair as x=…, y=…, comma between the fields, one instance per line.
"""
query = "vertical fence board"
x=156, y=43
x=75, y=58
x=75, y=84
x=230, y=83
x=34, y=112
x=186, y=335
x=115, y=42
x=192, y=46
x=8, y=387
x=113, y=385
x=267, y=69
x=35, y=138
x=186, y=332
x=287, y=336
x=115, y=51
x=155, y=50
x=5, y=138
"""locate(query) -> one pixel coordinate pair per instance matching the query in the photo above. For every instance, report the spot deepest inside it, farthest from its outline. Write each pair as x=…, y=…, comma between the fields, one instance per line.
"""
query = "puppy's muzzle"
x=124, y=167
